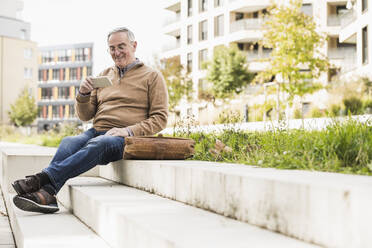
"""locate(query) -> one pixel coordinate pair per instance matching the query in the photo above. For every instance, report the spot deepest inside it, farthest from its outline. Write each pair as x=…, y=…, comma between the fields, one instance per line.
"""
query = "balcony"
x=172, y=5
x=344, y=58
x=248, y=6
x=172, y=19
x=171, y=46
x=246, y=24
x=334, y=20
x=258, y=55
x=348, y=18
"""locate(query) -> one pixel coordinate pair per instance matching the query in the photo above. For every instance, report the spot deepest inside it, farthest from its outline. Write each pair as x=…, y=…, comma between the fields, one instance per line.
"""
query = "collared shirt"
x=123, y=70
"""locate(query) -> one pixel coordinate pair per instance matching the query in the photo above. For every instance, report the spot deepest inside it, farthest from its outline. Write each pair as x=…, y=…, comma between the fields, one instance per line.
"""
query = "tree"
x=228, y=72
x=24, y=111
x=178, y=81
x=295, y=43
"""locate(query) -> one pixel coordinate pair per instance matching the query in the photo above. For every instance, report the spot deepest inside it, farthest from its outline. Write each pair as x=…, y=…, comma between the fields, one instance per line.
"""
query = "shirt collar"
x=123, y=70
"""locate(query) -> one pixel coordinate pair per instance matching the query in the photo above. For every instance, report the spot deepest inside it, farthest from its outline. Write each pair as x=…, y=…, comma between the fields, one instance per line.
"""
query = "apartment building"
x=356, y=30
x=18, y=57
x=61, y=70
x=196, y=27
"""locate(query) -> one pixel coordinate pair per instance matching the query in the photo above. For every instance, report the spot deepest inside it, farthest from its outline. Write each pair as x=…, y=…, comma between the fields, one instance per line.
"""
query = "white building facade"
x=196, y=27
x=357, y=31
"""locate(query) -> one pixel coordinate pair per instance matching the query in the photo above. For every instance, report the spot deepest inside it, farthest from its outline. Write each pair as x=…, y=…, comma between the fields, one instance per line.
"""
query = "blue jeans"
x=78, y=154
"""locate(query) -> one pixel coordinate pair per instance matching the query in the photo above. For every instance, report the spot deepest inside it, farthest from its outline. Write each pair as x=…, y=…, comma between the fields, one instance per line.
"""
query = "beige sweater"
x=139, y=101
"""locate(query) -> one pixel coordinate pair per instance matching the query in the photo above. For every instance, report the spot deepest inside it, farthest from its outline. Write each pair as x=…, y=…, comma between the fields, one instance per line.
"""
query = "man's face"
x=121, y=49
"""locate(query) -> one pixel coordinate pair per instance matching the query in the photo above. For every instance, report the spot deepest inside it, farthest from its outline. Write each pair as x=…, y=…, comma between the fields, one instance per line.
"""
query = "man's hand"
x=123, y=132
x=86, y=86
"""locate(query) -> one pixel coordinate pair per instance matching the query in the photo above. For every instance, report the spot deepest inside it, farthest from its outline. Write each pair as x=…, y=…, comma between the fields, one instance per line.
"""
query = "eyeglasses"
x=113, y=49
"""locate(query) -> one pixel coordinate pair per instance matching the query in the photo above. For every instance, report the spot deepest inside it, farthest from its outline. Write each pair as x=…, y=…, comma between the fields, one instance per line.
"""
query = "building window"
x=56, y=73
x=27, y=73
x=307, y=9
x=203, y=30
x=189, y=34
x=73, y=73
x=89, y=71
x=364, y=5
x=189, y=7
x=71, y=111
x=203, y=56
x=218, y=3
x=46, y=93
x=23, y=34
x=203, y=5
x=239, y=16
x=218, y=25
x=63, y=92
x=189, y=62
x=27, y=53
x=365, y=45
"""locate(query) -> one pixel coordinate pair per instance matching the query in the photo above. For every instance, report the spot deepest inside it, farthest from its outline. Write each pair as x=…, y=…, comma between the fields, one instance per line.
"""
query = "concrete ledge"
x=50, y=230
x=329, y=209
x=126, y=217
x=18, y=161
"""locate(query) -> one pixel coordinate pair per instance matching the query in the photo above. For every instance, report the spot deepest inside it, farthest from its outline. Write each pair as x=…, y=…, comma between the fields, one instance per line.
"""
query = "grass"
x=342, y=147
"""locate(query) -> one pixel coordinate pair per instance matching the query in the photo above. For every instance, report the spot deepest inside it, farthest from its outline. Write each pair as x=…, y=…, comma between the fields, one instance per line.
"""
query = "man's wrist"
x=130, y=132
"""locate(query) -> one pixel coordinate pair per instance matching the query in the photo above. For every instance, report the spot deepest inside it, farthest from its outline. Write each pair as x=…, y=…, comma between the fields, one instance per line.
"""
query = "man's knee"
x=66, y=141
x=104, y=140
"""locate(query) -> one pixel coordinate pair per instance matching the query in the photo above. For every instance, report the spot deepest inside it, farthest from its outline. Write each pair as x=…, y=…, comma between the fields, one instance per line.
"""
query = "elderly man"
x=136, y=104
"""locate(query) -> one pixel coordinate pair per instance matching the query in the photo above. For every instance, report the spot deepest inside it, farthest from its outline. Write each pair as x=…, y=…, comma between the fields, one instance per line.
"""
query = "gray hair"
x=125, y=30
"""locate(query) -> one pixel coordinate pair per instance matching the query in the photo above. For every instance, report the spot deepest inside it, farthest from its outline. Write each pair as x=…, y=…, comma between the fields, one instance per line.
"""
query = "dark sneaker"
x=40, y=201
x=28, y=185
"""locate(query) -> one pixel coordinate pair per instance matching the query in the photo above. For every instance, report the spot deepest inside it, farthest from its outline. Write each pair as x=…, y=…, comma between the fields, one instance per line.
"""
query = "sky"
x=57, y=22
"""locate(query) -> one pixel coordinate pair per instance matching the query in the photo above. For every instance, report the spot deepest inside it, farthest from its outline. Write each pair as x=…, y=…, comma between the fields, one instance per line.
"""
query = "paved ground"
x=6, y=235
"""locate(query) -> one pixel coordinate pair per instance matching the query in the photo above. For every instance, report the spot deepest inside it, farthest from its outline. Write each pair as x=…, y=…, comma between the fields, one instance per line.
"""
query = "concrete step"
x=18, y=161
x=34, y=230
x=127, y=217
x=328, y=209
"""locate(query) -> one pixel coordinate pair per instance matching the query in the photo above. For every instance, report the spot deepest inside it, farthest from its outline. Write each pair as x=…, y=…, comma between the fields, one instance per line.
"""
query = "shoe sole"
x=31, y=206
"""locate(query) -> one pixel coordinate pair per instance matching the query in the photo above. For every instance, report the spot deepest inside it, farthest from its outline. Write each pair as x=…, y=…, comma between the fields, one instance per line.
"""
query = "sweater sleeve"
x=86, y=106
x=158, y=109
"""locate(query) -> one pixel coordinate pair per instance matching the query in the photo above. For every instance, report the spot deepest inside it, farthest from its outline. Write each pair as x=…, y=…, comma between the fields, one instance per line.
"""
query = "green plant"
x=316, y=113
x=228, y=71
x=295, y=42
x=353, y=105
x=367, y=105
x=178, y=81
x=229, y=116
x=334, y=110
x=24, y=111
x=341, y=147
x=297, y=113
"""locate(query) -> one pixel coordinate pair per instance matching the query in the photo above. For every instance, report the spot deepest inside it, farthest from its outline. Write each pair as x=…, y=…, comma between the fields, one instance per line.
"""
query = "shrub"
x=367, y=105
x=334, y=110
x=316, y=113
x=353, y=105
x=297, y=113
x=229, y=116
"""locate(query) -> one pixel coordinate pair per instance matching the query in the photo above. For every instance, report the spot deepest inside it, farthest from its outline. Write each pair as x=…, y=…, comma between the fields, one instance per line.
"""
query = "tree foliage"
x=296, y=57
x=178, y=81
x=24, y=111
x=228, y=72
